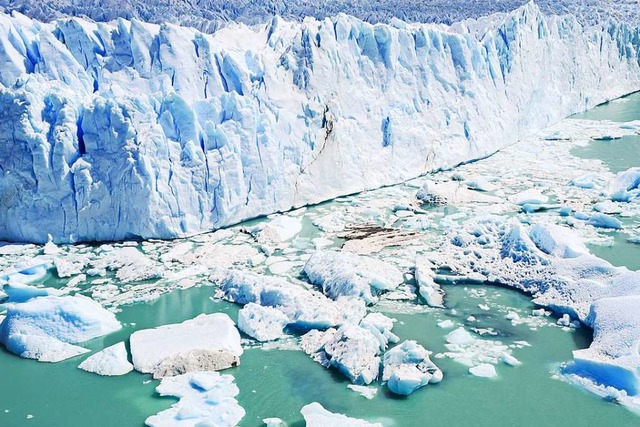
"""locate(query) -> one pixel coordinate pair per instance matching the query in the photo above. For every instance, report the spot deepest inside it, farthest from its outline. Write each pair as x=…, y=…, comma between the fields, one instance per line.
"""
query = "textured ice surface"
x=263, y=323
x=353, y=350
x=253, y=120
x=315, y=415
x=209, y=341
x=111, y=361
x=206, y=399
x=45, y=328
x=305, y=309
x=341, y=274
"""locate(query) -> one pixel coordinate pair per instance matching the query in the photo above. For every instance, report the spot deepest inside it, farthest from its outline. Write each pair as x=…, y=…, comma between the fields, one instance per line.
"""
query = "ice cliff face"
x=121, y=130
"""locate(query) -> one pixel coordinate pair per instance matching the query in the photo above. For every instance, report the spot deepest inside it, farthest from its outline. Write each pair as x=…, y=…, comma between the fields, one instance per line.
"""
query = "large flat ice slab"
x=207, y=342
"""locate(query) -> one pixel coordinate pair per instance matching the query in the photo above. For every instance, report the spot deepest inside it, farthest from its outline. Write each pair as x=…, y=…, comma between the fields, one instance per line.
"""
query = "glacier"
x=121, y=130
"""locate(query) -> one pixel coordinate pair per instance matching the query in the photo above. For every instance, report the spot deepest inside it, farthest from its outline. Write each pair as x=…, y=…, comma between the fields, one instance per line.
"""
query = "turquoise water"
x=620, y=110
x=618, y=154
x=277, y=383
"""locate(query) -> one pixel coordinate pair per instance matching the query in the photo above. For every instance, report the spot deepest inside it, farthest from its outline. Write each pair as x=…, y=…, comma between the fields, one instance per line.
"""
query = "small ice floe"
x=274, y=233
x=112, y=361
x=446, y=324
x=607, y=207
x=407, y=367
x=315, y=415
x=366, y=392
x=483, y=370
x=129, y=264
x=31, y=274
x=208, y=342
x=474, y=352
x=600, y=220
x=566, y=322
x=480, y=183
x=532, y=196
x=47, y=327
x=206, y=399
x=346, y=274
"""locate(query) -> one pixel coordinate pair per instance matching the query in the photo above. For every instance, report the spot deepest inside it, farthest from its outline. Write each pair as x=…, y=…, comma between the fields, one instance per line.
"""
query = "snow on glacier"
x=252, y=120
x=47, y=327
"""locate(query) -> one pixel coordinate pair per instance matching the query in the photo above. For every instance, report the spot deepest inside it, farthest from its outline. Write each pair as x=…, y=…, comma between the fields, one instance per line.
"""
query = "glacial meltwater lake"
x=278, y=382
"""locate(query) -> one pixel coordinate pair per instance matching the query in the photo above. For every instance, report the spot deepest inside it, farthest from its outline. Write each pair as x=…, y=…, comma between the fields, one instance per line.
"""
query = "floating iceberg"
x=407, y=367
x=111, y=361
x=253, y=120
x=206, y=399
x=315, y=415
x=346, y=274
x=621, y=187
x=612, y=359
x=353, y=350
x=305, y=309
x=207, y=342
x=45, y=328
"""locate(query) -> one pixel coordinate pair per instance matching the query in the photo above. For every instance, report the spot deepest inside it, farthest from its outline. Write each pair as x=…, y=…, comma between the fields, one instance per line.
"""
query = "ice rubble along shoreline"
x=139, y=130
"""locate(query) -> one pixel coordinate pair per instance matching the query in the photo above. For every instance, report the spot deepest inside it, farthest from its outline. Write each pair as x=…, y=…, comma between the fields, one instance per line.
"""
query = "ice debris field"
x=257, y=119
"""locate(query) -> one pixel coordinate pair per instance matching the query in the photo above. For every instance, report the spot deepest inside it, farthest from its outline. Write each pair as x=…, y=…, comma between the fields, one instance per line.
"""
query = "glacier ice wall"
x=110, y=131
